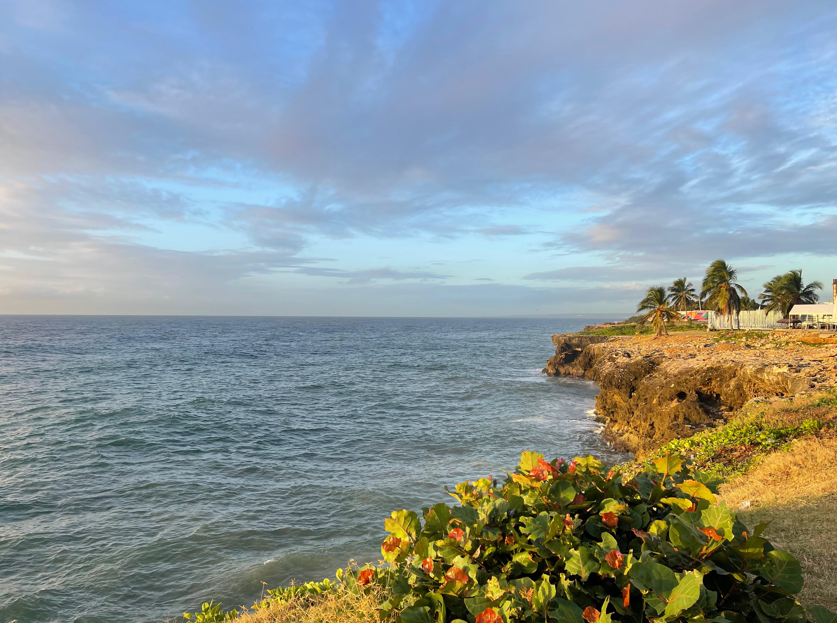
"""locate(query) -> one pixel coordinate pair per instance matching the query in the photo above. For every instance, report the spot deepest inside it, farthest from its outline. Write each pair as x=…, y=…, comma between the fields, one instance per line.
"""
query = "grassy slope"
x=780, y=461
x=646, y=329
x=340, y=606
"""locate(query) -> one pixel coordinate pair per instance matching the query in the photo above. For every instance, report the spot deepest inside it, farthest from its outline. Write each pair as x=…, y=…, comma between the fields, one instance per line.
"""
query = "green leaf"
x=582, y=562
x=536, y=527
x=477, y=604
x=695, y=489
x=416, y=614
x=822, y=615
x=562, y=492
x=528, y=461
x=524, y=559
x=654, y=577
x=403, y=524
x=566, y=612
x=465, y=514
x=685, y=536
x=719, y=517
x=436, y=520
x=782, y=570
x=685, y=594
x=668, y=465
x=544, y=593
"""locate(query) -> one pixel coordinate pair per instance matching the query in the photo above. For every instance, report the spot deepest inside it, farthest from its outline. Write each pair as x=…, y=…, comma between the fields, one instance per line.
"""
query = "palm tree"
x=749, y=304
x=784, y=291
x=722, y=292
x=658, y=309
x=682, y=294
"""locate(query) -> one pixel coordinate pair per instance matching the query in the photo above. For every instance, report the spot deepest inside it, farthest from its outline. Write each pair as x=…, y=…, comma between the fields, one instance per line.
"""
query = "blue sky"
x=409, y=158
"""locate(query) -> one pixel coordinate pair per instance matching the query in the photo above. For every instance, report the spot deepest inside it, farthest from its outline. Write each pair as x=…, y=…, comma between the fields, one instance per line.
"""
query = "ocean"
x=148, y=464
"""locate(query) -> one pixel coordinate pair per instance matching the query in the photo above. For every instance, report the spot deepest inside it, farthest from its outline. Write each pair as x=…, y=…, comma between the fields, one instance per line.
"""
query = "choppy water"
x=147, y=464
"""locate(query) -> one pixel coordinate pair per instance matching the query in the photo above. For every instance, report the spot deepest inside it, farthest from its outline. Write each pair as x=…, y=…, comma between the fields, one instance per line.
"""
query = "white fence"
x=752, y=319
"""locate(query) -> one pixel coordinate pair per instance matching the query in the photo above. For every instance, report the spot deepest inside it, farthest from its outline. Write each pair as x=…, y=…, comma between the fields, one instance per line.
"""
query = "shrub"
x=568, y=542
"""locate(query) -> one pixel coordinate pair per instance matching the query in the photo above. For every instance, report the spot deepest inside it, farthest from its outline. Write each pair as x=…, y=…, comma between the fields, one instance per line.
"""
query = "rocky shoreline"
x=656, y=390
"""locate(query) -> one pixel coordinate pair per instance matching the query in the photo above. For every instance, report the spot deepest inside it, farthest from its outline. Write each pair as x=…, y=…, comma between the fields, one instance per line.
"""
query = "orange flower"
x=590, y=614
x=626, y=596
x=572, y=467
x=455, y=574
x=427, y=565
x=711, y=533
x=610, y=519
x=489, y=616
x=614, y=558
x=365, y=576
x=457, y=534
x=509, y=540
x=391, y=544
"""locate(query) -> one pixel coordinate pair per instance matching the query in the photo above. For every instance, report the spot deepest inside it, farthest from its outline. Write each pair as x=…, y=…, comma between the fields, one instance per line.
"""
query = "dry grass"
x=797, y=491
x=340, y=606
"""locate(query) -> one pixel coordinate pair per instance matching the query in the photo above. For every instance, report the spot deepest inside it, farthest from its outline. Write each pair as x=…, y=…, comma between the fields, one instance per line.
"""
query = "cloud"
x=649, y=137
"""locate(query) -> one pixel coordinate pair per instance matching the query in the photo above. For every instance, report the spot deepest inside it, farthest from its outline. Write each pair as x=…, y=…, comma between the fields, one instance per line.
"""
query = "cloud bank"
x=408, y=158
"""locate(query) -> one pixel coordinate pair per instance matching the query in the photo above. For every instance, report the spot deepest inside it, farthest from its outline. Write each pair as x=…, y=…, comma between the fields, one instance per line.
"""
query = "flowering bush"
x=571, y=543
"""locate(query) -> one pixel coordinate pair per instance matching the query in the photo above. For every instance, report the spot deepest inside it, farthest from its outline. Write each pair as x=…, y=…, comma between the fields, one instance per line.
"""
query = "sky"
x=409, y=157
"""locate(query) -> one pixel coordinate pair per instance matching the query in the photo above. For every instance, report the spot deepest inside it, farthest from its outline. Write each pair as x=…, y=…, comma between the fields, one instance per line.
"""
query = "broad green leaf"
x=582, y=562
x=782, y=570
x=668, y=465
x=524, y=559
x=403, y=524
x=679, y=505
x=465, y=514
x=544, y=593
x=822, y=615
x=477, y=604
x=493, y=589
x=566, y=612
x=761, y=528
x=416, y=614
x=784, y=609
x=685, y=593
x=719, y=517
x=653, y=577
x=608, y=542
x=685, y=536
x=528, y=460
x=695, y=489
x=562, y=492
x=436, y=520
x=536, y=527
x=588, y=464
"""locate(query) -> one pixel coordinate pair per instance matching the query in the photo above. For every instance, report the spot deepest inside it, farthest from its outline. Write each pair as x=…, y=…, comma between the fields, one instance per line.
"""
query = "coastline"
x=655, y=391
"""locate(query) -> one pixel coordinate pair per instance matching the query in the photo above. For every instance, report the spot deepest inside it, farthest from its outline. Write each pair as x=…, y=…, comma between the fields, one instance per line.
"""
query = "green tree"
x=784, y=291
x=682, y=294
x=658, y=310
x=720, y=289
x=749, y=304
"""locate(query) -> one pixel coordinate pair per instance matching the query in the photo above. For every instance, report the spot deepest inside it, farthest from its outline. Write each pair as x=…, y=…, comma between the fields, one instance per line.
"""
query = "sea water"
x=150, y=463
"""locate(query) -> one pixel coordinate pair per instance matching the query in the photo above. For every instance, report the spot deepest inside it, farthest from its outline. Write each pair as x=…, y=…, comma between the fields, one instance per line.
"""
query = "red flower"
x=455, y=574
x=427, y=565
x=610, y=519
x=489, y=616
x=641, y=533
x=568, y=521
x=614, y=558
x=590, y=614
x=572, y=467
x=711, y=533
x=365, y=576
x=457, y=534
x=391, y=544
x=578, y=499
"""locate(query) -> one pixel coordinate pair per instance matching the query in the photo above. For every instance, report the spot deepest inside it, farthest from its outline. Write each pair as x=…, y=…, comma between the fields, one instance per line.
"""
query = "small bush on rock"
x=573, y=543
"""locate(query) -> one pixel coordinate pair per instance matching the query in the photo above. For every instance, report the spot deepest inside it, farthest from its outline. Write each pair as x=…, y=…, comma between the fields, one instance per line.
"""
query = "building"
x=821, y=315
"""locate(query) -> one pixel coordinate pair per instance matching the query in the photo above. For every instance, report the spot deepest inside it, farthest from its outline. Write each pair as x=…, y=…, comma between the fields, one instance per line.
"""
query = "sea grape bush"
x=574, y=543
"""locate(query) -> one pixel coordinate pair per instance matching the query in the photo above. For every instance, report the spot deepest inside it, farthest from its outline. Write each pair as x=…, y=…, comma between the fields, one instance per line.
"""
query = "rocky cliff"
x=653, y=391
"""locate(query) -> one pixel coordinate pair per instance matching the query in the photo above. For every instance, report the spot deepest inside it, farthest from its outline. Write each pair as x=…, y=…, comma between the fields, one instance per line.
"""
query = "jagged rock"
x=653, y=391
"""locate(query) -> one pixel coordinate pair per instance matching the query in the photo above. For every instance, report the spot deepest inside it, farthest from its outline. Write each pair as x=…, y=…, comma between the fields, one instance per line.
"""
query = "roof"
x=812, y=310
